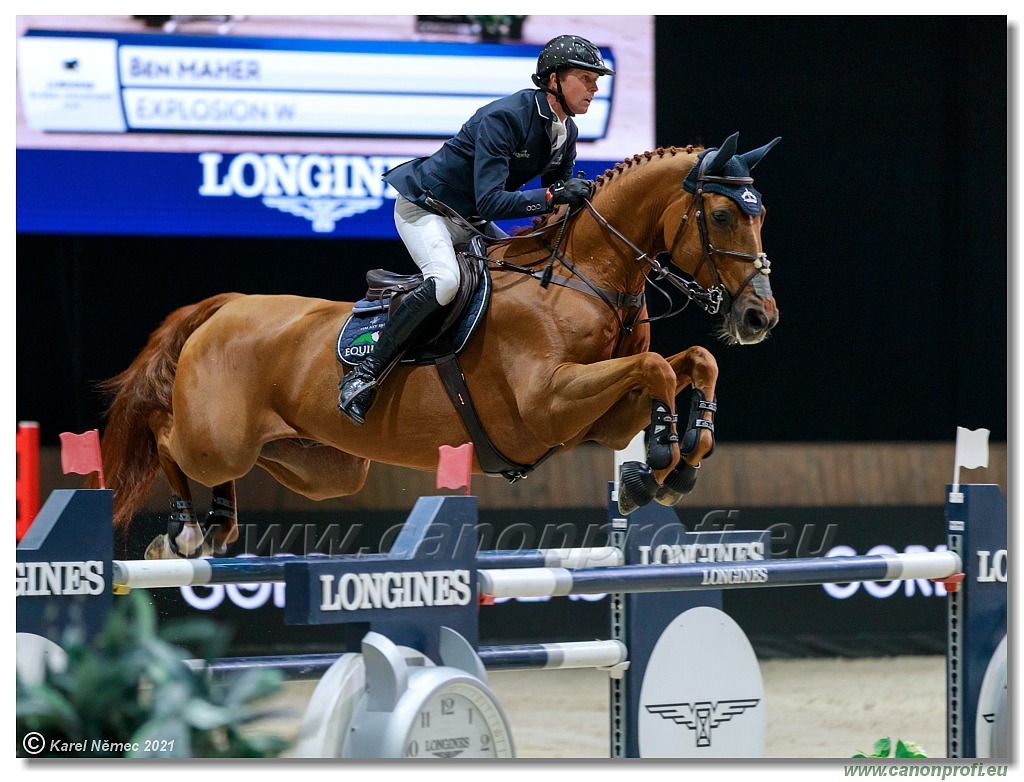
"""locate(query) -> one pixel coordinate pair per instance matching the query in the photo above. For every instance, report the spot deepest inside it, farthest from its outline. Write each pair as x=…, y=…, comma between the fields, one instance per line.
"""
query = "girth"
x=491, y=460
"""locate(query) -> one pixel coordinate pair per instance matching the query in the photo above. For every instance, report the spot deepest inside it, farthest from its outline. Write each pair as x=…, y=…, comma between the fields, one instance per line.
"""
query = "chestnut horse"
x=237, y=381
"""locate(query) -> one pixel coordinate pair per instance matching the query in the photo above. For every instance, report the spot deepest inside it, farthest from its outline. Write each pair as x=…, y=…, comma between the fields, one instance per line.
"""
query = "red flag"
x=454, y=466
x=80, y=453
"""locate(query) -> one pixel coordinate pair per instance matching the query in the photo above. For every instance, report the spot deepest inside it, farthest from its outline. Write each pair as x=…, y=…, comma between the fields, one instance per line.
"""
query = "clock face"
x=459, y=720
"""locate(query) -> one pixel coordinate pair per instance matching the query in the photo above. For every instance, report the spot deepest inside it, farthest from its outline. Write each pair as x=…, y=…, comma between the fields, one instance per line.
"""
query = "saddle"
x=448, y=332
x=388, y=288
x=439, y=344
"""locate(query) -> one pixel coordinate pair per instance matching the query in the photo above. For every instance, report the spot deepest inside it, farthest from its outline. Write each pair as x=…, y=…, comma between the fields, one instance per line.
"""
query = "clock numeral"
x=424, y=719
x=447, y=706
x=485, y=742
x=412, y=750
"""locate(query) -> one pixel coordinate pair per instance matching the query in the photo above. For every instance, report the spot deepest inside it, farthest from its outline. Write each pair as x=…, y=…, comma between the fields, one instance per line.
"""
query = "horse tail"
x=130, y=459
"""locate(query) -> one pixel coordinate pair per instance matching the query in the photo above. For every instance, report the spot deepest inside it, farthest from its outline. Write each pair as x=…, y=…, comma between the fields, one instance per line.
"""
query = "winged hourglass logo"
x=703, y=716
x=322, y=212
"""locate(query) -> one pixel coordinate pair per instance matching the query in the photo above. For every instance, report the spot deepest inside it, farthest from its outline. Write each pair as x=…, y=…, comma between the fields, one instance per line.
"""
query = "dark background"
x=887, y=233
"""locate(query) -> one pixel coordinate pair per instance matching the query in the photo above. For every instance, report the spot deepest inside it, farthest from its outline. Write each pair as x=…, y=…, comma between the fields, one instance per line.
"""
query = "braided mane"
x=643, y=157
x=617, y=171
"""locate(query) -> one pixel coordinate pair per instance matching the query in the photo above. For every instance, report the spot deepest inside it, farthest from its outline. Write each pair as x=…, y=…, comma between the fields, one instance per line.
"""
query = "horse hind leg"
x=313, y=469
x=184, y=537
x=221, y=522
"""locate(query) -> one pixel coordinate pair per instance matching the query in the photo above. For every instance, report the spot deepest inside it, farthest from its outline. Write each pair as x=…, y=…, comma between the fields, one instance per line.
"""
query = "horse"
x=237, y=381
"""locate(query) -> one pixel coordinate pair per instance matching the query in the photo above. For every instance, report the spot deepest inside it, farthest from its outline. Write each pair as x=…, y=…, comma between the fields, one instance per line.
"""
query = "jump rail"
x=552, y=581
x=165, y=573
x=627, y=579
x=685, y=656
x=512, y=657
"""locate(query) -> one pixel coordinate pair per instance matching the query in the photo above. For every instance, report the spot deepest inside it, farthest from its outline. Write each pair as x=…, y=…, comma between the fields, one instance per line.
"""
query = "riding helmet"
x=570, y=51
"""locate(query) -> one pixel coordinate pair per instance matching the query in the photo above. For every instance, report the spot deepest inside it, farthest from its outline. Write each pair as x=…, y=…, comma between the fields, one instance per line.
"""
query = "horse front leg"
x=572, y=400
x=697, y=369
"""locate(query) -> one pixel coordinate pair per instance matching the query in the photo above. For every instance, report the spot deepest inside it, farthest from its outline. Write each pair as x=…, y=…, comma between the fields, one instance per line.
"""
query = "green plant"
x=132, y=692
x=904, y=749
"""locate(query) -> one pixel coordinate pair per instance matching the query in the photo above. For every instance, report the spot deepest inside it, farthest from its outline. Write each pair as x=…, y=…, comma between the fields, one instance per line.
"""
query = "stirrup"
x=352, y=387
x=357, y=407
x=356, y=398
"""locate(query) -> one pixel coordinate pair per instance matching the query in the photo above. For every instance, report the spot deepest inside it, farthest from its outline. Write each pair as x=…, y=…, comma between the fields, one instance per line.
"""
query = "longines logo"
x=447, y=748
x=320, y=188
x=703, y=716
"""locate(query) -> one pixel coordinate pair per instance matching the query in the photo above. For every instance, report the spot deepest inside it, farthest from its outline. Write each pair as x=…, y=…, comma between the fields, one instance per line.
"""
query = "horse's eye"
x=720, y=216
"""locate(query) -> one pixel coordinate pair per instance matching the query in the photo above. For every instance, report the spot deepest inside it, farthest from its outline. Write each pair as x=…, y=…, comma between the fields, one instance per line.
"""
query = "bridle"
x=760, y=262
x=714, y=299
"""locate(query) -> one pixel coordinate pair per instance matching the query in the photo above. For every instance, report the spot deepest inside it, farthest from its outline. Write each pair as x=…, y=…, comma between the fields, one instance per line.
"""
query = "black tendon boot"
x=358, y=388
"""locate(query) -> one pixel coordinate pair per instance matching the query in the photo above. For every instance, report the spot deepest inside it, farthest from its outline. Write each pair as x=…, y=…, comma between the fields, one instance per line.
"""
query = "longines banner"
x=210, y=193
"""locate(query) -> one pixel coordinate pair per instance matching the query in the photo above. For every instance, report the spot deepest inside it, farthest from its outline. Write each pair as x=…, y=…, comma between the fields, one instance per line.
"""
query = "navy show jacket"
x=478, y=173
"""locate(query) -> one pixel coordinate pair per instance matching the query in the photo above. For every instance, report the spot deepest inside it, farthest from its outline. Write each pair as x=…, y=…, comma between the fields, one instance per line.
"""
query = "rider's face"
x=578, y=87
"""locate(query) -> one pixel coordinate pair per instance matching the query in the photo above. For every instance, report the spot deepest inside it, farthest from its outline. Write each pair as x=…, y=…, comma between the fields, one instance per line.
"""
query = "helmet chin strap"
x=559, y=95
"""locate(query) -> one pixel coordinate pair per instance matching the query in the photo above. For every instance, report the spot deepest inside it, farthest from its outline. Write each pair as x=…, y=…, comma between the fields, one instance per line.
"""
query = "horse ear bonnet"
x=731, y=165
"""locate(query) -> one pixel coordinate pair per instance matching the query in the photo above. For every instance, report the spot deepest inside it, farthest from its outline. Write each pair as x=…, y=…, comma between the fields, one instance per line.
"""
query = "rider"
x=478, y=174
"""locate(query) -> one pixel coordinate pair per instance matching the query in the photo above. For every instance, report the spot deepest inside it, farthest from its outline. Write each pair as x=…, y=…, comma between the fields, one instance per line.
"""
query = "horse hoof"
x=160, y=548
x=679, y=482
x=637, y=486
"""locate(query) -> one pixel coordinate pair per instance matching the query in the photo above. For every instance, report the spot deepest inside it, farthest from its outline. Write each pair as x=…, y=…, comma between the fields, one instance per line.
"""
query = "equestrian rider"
x=478, y=174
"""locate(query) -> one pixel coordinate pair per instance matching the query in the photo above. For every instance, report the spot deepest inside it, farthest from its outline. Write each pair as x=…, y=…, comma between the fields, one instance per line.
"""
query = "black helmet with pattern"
x=570, y=51
x=567, y=51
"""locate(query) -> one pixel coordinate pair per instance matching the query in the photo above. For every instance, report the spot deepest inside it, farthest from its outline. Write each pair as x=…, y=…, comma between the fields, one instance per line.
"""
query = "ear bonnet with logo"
x=725, y=172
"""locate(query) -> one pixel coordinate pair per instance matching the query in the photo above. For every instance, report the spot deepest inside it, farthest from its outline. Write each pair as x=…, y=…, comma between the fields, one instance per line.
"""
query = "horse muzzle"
x=749, y=320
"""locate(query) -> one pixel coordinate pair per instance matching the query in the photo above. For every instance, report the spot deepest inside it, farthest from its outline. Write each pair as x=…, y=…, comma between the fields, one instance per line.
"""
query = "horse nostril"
x=755, y=320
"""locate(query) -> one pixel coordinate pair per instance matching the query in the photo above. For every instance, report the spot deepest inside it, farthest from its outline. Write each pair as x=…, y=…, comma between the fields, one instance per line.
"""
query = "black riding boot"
x=358, y=388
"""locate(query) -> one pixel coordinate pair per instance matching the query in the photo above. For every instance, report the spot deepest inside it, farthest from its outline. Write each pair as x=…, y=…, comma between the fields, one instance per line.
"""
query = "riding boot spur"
x=358, y=388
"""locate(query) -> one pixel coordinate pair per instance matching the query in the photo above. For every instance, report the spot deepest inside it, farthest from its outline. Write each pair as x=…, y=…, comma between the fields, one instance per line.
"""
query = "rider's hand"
x=572, y=192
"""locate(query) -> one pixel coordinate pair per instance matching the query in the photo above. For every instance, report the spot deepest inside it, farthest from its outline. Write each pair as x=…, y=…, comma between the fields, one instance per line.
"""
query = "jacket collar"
x=543, y=107
x=548, y=115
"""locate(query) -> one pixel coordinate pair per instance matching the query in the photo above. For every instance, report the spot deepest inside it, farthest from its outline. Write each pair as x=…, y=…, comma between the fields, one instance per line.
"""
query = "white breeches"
x=430, y=240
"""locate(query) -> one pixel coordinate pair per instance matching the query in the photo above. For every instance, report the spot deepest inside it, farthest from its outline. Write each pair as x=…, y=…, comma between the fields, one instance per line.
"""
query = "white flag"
x=971, y=447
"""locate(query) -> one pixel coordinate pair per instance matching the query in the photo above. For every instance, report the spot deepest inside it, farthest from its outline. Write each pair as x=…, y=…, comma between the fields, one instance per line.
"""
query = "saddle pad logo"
x=360, y=340
x=364, y=340
x=362, y=329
